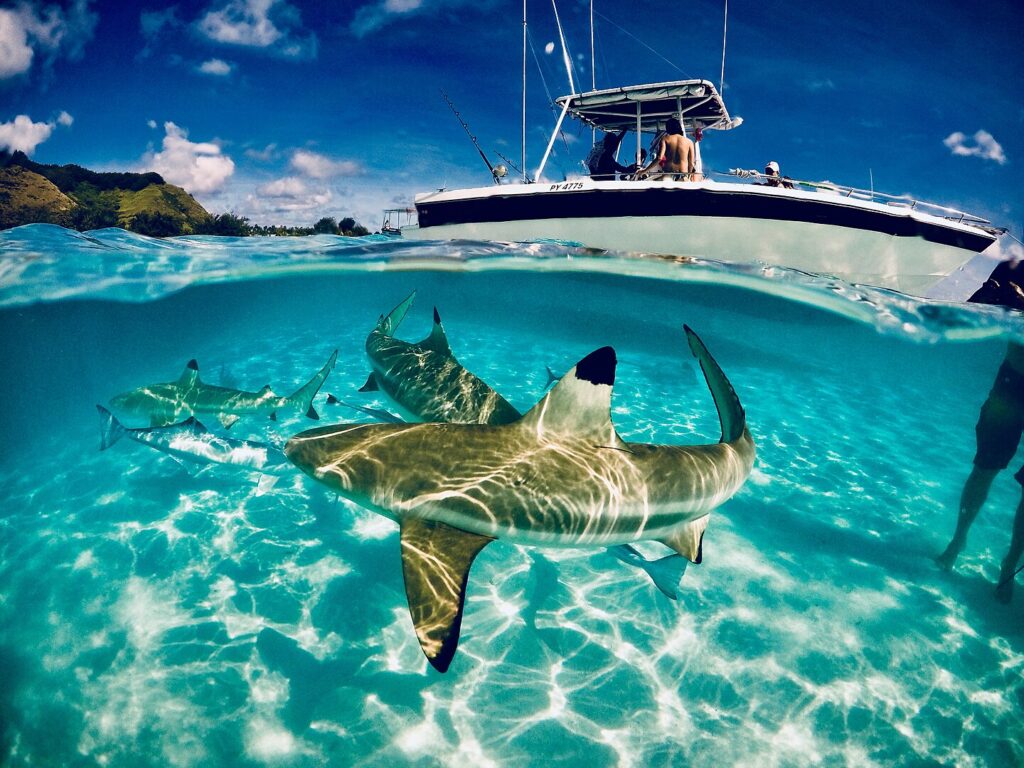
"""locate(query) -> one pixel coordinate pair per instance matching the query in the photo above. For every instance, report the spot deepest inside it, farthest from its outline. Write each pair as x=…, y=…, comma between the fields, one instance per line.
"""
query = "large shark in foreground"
x=560, y=477
x=425, y=380
x=172, y=401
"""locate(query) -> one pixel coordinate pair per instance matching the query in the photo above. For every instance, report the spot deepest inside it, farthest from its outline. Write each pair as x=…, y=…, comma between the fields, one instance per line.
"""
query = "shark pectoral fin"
x=688, y=540
x=371, y=383
x=227, y=420
x=435, y=562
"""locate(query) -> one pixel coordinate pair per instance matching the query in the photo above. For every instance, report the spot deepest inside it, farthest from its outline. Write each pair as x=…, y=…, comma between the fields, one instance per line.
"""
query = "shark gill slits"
x=598, y=367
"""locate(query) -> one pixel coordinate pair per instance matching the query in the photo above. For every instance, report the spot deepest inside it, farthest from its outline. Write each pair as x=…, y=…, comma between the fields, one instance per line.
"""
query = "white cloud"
x=320, y=166
x=821, y=85
x=198, y=167
x=217, y=67
x=151, y=123
x=264, y=155
x=52, y=31
x=287, y=195
x=269, y=24
x=985, y=146
x=549, y=48
x=376, y=15
x=25, y=135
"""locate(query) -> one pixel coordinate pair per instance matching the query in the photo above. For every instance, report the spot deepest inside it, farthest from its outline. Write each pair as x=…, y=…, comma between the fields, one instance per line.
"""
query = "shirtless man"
x=676, y=154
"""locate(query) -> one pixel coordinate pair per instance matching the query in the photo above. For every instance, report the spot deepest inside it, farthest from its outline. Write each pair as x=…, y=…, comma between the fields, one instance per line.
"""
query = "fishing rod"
x=494, y=174
x=515, y=168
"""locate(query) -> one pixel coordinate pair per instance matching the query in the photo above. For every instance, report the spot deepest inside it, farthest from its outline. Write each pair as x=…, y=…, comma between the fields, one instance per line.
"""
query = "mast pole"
x=522, y=163
x=593, y=66
x=725, y=28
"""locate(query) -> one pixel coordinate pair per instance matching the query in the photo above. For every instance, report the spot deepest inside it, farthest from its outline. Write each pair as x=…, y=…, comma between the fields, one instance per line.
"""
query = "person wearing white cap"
x=773, y=179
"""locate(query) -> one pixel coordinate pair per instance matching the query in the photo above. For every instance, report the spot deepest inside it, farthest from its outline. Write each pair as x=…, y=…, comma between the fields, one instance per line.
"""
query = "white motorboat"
x=858, y=235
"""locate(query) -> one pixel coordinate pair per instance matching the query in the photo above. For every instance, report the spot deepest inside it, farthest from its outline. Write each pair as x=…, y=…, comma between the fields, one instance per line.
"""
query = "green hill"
x=76, y=197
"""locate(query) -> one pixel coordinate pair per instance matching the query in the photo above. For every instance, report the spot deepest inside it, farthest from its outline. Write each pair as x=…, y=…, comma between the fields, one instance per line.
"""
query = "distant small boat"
x=858, y=235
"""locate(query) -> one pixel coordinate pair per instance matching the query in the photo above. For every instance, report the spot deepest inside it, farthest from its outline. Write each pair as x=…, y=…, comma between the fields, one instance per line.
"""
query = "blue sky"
x=285, y=111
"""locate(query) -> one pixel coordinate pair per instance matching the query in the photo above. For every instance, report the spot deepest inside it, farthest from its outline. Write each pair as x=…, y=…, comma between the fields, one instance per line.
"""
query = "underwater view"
x=181, y=583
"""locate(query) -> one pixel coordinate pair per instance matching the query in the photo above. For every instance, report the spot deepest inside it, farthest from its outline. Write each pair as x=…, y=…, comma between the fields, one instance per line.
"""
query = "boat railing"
x=896, y=201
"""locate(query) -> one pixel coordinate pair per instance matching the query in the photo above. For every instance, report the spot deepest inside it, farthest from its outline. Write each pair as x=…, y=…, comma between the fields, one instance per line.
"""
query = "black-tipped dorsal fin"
x=371, y=383
x=437, y=341
x=688, y=539
x=194, y=424
x=730, y=411
x=191, y=373
x=435, y=563
x=580, y=404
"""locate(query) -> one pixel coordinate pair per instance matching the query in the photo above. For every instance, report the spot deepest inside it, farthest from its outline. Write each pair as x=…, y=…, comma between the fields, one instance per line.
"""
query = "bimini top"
x=614, y=109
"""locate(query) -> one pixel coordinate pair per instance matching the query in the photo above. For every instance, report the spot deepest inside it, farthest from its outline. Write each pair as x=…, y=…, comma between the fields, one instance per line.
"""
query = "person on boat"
x=773, y=179
x=999, y=430
x=676, y=156
x=601, y=161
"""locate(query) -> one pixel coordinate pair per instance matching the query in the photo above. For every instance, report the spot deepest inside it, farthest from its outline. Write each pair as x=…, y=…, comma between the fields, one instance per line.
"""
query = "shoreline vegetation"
x=78, y=198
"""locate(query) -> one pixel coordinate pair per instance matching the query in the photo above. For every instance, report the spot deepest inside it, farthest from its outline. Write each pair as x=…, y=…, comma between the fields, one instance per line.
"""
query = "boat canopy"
x=645, y=108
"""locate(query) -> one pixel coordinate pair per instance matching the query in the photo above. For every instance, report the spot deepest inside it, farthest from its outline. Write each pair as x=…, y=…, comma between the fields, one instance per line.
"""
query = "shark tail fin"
x=389, y=324
x=303, y=397
x=730, y=411
x=667, y=573
x=111, y=429
x=435, y=563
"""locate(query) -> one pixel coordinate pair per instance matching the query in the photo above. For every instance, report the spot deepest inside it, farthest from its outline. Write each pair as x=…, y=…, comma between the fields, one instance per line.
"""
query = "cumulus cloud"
x=22, y=134
x=287, y=195
x=982, y=145
x=264, y=155
x=272, y=25
x=376, y=15
x=216, y=67
x=198, y=167
x=319, y=166
x=52, y=32
x=151, y=123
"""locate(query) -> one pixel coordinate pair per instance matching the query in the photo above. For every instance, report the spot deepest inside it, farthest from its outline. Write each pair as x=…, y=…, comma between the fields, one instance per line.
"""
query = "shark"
x=425, y=380
x=190, y=441
x=167, y=403
x=559, y=476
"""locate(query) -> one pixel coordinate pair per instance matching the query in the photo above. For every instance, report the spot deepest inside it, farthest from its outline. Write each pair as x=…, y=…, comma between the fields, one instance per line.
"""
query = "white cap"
x=773, y=165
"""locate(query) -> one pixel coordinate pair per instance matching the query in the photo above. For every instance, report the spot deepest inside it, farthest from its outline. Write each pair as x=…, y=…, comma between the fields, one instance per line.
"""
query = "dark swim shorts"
x=1001, y=422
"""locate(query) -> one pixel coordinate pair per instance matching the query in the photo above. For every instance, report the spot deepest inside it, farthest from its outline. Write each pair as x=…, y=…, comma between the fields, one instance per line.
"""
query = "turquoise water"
x=150, y=615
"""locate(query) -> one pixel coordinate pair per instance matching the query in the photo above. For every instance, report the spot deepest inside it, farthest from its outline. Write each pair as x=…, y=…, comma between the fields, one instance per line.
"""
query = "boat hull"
x=858, y=241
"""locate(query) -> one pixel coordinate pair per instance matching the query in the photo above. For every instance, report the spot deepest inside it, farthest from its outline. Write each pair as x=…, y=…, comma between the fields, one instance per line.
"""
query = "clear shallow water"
x=149, y=616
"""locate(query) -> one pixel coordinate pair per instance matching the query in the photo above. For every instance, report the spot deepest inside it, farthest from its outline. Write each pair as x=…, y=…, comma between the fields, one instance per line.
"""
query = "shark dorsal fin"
x=265, y=390
x=194, y=424
x=437, y=341
x=191, y=373
x=435, y=563
x=580, y=404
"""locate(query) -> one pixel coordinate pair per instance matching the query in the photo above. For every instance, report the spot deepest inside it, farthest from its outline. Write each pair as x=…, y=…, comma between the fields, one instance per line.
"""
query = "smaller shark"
x=425, y=380
x=192, y=442
x=167, y=403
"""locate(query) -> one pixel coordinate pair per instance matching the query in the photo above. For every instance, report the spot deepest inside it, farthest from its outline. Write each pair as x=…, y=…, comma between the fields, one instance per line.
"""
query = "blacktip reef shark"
x=560, y=476
x=170, y=402
x=190, y=441
x=427, y=383
x=425, y=380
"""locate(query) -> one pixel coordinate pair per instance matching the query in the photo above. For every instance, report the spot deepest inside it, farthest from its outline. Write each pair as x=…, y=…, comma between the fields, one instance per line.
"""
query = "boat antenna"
x=725, y=28
x=565, y=49
x=471, y=137
x=523, y=155
x=593, y=67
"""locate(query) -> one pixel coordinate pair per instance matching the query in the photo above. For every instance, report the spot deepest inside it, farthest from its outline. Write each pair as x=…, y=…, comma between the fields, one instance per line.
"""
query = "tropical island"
x=78, y=198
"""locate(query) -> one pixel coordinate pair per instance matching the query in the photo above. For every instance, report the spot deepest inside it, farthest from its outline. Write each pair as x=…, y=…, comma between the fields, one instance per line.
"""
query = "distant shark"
x=167, y=403
x=425, y=380
x=560, y=476
x=190, y=441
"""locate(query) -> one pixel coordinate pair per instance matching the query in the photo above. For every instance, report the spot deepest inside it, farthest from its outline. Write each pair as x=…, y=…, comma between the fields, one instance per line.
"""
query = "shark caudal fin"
x=303, y=397
x=730, y=412
x=666, y=572
x=389, y=323
x=580, y=404
x=111, y=430
x=435, y=563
